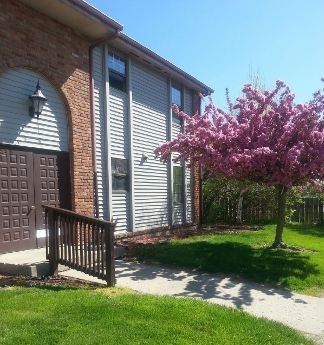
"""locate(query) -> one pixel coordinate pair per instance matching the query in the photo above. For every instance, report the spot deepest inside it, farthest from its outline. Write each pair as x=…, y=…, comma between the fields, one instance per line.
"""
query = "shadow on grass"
x=232, y=259
x=263, y=265
x=314, y=230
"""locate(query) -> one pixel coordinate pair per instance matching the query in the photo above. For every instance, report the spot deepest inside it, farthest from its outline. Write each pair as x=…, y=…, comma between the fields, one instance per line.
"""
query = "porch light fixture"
x=37, y=101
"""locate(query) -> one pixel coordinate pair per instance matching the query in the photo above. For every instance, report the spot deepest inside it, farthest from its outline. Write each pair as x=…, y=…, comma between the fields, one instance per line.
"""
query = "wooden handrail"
x=81, y=216
x=80, y=242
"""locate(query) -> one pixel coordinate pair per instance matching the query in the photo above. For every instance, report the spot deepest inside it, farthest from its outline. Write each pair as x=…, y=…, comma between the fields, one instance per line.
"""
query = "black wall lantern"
x=37, y=102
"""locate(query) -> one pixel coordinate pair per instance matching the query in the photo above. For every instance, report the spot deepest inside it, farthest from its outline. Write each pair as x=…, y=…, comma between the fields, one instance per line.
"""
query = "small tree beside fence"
x=264, y=137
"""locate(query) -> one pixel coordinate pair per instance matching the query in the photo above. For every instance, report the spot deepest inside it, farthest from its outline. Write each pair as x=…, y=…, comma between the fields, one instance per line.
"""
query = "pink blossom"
x=265, y=137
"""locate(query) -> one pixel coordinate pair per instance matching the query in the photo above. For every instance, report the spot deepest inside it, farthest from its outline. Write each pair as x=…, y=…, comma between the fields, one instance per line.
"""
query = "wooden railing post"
x=53, y=265
x=110, y=254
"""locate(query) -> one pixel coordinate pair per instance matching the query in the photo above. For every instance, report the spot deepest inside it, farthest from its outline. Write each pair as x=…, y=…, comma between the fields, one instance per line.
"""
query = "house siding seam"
x=32, y=40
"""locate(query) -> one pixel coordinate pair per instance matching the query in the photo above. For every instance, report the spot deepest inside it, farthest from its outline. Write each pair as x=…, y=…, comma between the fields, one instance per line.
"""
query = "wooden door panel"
x=46, y=186
x=51, y=174
x=17, y=220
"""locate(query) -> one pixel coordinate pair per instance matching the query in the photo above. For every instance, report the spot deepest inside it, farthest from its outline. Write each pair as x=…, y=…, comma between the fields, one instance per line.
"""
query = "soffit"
x=77, y=15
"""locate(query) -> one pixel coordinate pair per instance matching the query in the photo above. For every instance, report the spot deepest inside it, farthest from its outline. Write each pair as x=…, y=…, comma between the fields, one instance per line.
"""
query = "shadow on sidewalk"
x=168, y=281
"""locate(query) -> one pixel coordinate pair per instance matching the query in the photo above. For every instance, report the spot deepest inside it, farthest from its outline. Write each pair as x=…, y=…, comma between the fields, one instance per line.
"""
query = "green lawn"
x=113, y=316
x=248, y=255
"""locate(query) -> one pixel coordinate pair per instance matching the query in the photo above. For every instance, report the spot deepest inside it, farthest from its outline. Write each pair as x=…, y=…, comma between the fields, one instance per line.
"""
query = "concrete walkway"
x=304, y=313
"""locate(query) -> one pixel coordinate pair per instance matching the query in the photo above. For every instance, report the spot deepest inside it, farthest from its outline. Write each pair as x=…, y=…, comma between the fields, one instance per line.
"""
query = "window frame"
x=123, y=174
x=117, y=79
x=178, y=187
x=179, y=88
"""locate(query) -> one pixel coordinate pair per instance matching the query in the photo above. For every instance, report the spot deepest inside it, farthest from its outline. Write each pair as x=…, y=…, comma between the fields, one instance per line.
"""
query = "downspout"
x=93, y=121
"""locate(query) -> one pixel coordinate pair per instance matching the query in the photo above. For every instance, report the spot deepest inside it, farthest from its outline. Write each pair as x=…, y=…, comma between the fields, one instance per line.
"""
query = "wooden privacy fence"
x=224, y=210
x=311, y=211
x=80, y=242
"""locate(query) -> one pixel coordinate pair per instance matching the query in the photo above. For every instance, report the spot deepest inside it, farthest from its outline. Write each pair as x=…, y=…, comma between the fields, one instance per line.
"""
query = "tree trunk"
x=240, y=206
x=281, y=211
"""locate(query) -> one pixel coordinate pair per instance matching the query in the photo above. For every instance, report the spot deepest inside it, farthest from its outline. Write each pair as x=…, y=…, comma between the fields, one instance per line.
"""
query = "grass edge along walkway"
x=58, y=315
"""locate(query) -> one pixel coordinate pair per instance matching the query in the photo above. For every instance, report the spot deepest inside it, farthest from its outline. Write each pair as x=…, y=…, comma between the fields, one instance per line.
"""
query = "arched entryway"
x=34, y=159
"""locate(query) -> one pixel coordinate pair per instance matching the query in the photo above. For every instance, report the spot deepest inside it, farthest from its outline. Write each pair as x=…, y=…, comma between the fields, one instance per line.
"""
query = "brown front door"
x=29, y=179
x=17, y=221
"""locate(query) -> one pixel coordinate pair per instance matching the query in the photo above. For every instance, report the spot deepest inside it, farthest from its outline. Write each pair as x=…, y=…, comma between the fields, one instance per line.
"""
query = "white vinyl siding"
x=118, y=123
x=17, y=127
x=118, y=142
x=100, y=129
x=150, y=112
x=120, y=209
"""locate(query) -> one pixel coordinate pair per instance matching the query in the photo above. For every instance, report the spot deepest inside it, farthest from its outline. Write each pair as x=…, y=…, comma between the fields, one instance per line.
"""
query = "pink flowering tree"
x=264, y=137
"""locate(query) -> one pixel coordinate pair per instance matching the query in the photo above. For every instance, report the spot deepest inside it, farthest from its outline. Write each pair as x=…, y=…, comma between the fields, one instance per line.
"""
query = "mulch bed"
x=54, y=283
x=147, y=239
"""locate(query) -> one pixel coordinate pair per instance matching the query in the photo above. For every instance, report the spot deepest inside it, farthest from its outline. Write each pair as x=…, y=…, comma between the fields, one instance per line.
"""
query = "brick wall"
x=196, y=173
x=32, y=40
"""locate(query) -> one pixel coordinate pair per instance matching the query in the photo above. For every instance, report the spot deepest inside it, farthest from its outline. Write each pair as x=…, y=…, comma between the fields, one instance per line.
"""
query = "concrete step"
x=33, y=262
x=32, y=270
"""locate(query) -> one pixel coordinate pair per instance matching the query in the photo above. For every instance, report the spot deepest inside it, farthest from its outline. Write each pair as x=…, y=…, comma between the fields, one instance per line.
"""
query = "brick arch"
x=44, y=73
x=57, y=84
x=34, y=161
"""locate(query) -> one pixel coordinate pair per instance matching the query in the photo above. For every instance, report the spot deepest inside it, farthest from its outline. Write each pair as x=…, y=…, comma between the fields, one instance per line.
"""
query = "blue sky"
x=222, y=43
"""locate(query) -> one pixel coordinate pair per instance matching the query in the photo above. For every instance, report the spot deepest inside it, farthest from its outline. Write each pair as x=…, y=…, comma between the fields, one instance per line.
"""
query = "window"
x=117, y=72
x=119, y=168
x=178, y=186
x=176, y=98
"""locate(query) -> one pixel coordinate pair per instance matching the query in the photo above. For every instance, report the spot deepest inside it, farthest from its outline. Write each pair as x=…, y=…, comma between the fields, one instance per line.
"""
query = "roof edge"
x=126, y=39
x=90, y=10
